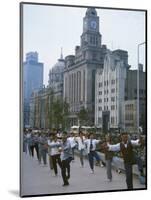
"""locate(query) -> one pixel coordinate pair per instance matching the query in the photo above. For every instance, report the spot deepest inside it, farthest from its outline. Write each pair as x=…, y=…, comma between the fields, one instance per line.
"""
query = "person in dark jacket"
x=66, y=158
x=126, y=148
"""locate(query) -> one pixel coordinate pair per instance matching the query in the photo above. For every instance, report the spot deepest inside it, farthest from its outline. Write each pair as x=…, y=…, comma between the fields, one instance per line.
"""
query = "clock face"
x=93, y=24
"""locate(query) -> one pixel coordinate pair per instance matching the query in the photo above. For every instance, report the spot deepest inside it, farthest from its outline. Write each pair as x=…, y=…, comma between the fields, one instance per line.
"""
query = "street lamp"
x=138, y=84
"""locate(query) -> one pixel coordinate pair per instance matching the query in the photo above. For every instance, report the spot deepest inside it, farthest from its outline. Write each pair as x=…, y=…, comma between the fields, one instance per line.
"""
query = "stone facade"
x=116, y=93
x=80, y=69
x=41, y=101
x=56, y=77
x=110, y=87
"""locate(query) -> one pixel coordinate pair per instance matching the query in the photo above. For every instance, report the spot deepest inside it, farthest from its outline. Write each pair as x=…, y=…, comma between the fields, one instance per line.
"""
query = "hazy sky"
x=48, y=28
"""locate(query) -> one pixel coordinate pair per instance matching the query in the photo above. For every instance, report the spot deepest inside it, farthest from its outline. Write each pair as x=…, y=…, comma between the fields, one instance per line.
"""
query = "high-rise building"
x=32, y=80
x=79, y=73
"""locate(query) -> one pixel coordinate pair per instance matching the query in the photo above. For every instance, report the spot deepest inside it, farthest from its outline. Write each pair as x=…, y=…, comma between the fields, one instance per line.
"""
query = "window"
x=100, y=84
x=113, y=90
x=129, y=117
x=100, y=108
x=129, y=107
x=99, y=120
x=135, y=91
x=94, y=56
x=100, y=100
x=112, y=98
x=100, y=92
x=112, y=107
x=112, y=82
x=112, y=120
x=91, y=39
x=96, y=41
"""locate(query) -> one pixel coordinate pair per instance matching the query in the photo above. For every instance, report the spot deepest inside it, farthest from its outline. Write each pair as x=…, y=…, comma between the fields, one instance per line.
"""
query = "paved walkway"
x=40, y=180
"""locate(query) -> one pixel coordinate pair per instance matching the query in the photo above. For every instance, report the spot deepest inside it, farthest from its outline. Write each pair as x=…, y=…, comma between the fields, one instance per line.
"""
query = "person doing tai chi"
x=91, y=150
x=126, y=148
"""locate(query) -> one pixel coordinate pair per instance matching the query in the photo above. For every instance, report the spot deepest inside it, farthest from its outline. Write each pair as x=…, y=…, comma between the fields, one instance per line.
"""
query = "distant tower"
x=32, y=79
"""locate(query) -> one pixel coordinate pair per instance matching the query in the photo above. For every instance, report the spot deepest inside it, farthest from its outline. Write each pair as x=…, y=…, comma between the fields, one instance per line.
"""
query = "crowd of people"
x=61, y=146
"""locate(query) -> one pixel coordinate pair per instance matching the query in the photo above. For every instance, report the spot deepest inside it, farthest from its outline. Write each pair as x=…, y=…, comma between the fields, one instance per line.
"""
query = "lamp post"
x=138, y=84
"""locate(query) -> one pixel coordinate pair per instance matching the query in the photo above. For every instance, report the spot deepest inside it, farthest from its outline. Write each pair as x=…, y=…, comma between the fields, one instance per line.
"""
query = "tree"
x=50, y=108
x=65, y=123
x=58, y=112
x=83, y=116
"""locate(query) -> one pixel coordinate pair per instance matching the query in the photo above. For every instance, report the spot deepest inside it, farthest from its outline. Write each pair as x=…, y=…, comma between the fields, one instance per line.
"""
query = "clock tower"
x=91, y=35
x=80, y=69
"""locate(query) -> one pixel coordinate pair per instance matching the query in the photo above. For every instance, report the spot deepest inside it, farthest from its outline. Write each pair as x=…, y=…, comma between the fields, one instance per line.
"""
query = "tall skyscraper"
x=32, y=80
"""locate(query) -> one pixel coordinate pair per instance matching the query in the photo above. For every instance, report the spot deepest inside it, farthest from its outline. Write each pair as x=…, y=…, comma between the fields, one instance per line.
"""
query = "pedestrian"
x=49, y=152
x=126, y=148
x=40, y=146
x=54, y=145
x=81, y=147
x=66, y=158
x=29, y=141
x=108, y=157
x=31, y=144
x=44, y=148
x=73, y=143
x=91, y=150
x=59, y=134
x=36, y=141
x=140, y=161
x=25, y=142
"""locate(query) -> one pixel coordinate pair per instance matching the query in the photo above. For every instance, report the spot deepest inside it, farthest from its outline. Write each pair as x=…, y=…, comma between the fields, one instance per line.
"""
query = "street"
x=40, y=180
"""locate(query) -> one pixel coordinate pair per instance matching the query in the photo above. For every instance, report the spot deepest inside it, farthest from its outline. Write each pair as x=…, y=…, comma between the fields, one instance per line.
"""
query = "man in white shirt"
x=91, y=150
x=73, y=143
x=81, y=146
x=54, y=145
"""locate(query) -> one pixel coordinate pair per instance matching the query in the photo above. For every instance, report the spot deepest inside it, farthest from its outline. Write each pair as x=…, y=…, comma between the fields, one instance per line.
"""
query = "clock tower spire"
x=91, y=35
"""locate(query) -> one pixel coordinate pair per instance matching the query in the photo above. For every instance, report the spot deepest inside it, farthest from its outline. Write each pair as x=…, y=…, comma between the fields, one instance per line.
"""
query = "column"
x=84, y=85
x=79, y=86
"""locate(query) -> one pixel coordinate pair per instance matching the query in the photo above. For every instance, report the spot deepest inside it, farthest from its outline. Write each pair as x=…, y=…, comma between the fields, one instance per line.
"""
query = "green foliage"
x=83, y=116
x=58, y=112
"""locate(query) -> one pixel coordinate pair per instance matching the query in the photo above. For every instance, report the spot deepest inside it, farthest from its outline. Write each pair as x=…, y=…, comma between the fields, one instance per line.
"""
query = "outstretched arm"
x=54, y=145
x=114, y=147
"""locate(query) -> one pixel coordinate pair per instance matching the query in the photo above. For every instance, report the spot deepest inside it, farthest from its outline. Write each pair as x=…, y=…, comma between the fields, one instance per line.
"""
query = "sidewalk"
x=40, y=180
